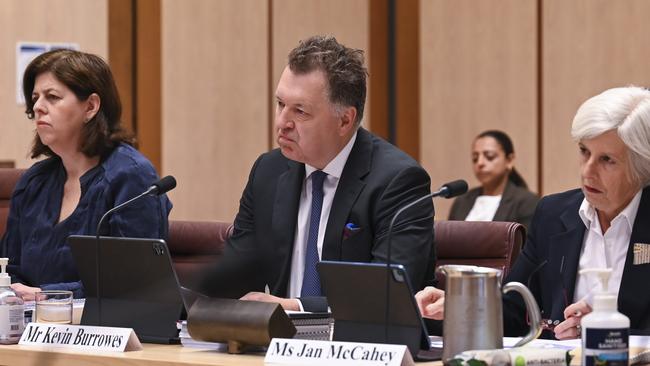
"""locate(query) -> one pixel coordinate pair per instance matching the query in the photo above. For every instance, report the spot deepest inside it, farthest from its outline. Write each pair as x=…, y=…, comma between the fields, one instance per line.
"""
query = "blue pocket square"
x=350, y=229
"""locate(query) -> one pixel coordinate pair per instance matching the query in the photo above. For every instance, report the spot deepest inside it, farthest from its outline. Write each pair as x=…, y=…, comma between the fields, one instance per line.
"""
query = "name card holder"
x=302, y=352
x=80, y=337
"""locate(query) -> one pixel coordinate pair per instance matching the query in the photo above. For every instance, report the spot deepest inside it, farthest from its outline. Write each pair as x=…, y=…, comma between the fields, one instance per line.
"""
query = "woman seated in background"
x=90, y=167
x=503, y=194
x=604, y=224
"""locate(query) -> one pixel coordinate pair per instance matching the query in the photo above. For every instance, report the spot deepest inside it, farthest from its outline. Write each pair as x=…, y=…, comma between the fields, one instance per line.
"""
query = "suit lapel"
x=633, y=297
x=564, y=255
x=505, y=206
x=285, y=212
x=350, y=186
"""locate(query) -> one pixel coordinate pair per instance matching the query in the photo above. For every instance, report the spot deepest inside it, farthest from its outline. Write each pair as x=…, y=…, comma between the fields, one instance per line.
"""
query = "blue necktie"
x=311, y=280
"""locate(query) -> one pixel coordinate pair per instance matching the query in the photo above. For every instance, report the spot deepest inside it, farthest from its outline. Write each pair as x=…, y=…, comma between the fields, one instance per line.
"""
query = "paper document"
x=569, y=344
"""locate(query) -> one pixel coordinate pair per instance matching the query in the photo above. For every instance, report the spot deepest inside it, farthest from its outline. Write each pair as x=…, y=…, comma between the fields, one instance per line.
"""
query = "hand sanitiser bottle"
x=605, y=331
x=12, y=310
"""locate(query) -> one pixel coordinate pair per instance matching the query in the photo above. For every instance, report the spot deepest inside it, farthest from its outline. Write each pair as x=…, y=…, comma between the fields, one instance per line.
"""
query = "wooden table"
x=152, y=354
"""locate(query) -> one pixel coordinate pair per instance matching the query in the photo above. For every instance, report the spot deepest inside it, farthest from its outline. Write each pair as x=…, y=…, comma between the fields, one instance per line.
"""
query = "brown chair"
x=481, y=243
x=195, y=246
x=8, y=179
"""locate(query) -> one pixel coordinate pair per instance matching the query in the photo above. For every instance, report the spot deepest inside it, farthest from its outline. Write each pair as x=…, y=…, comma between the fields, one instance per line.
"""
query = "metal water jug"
x=473, y=309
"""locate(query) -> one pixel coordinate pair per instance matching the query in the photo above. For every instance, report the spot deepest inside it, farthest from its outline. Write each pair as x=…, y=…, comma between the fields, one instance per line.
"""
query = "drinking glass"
x=53, y=307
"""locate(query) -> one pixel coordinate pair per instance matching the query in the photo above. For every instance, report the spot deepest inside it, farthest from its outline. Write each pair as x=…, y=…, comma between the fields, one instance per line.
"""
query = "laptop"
x=356, y=293
x=138, y=287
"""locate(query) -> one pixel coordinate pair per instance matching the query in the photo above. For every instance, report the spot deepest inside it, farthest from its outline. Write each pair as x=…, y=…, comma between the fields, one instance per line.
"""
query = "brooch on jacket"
x=641, y=253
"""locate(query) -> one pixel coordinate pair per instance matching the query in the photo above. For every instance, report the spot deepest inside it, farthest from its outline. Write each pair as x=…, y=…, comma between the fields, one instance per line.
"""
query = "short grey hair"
x=626, y=110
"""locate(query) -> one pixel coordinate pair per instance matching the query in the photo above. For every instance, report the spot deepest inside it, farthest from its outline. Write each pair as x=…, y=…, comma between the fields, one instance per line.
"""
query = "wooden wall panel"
x=214, y=101
x=407, y=88
x=293, y=20
x=377, y=61
x=588, y=46
x=79, y=21
x=148, y=109
x=405, y=132
x=478, y=71
x=121, y=57
x=218, y=89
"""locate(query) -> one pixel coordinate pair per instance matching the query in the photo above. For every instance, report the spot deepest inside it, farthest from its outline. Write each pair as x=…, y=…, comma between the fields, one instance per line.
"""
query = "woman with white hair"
x=603, y=224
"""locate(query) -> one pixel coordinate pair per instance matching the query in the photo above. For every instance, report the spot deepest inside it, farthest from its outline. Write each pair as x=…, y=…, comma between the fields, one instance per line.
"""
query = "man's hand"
x=26, y=292
x=431, y=302
x=287, y=304
x=570, y=328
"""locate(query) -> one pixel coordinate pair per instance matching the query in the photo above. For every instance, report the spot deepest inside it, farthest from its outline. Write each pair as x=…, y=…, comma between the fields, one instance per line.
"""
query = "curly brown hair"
x=343, y=68
x=84, y=74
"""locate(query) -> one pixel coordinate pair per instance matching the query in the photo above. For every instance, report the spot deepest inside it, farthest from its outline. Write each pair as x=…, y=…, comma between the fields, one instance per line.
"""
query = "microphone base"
x=242, y=325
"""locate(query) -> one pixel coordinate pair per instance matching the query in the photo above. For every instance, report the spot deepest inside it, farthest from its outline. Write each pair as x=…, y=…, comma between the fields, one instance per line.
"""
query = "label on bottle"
x=12, y=321
x=606, y=347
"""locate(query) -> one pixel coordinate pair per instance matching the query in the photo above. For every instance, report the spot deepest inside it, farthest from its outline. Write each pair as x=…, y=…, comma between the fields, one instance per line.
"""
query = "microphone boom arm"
x=449, y=190
x=120, y=206
x=158, y=188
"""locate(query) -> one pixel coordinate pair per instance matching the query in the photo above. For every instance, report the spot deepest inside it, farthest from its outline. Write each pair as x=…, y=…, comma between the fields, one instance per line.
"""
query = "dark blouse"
x=35, y=241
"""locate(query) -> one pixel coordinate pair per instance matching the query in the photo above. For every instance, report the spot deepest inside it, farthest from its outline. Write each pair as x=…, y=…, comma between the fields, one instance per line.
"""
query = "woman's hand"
x=570, y=328
x=26, y=292
x=431, y=302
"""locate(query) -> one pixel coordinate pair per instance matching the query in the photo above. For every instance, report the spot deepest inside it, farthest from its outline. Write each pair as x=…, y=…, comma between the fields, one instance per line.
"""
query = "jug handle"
x=531, y=307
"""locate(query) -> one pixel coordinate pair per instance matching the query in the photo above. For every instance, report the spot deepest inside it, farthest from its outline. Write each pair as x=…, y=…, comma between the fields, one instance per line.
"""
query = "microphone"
x=447, y=190
x=451, y=189
x=160, y=187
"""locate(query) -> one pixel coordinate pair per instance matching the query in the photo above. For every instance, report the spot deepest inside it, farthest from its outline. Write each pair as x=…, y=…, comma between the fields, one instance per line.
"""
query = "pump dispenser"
x=12, y=309
x=605, y=331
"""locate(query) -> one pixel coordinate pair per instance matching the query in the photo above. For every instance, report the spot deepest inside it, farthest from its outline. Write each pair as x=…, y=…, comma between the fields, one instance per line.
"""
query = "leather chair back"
x=8, y=179
x=195, y=246
x=492, y=244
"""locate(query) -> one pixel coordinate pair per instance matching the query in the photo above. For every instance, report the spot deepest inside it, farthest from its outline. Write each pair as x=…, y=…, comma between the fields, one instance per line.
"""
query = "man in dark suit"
x=329, y=192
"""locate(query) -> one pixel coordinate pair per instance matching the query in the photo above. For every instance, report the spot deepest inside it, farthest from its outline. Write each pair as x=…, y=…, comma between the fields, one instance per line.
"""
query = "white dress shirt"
x=484, y=208
x=604, y=251
x=334, y=169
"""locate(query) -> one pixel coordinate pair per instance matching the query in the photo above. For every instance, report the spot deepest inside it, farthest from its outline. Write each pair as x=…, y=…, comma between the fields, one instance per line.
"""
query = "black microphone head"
x=453, y=189
x=164, y=185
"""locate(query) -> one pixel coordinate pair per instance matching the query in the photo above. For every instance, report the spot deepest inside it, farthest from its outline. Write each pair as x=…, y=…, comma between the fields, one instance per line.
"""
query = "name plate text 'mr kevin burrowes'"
x=80, y=337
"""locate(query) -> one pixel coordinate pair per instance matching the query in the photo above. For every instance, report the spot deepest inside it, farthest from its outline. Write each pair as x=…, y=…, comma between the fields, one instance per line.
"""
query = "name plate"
x=307, y=352
x=80, y=337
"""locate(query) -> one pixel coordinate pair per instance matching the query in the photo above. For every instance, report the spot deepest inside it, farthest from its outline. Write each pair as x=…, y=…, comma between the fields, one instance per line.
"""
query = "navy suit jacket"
x=377, y=179
x=555, y=237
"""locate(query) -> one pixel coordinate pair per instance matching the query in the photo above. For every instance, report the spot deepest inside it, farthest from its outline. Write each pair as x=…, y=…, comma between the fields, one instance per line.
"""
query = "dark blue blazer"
x=377, y=179
x=555, y=237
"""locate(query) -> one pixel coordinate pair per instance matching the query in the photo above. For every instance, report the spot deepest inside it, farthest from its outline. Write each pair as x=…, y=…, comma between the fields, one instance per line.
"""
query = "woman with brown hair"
x=90, y=167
